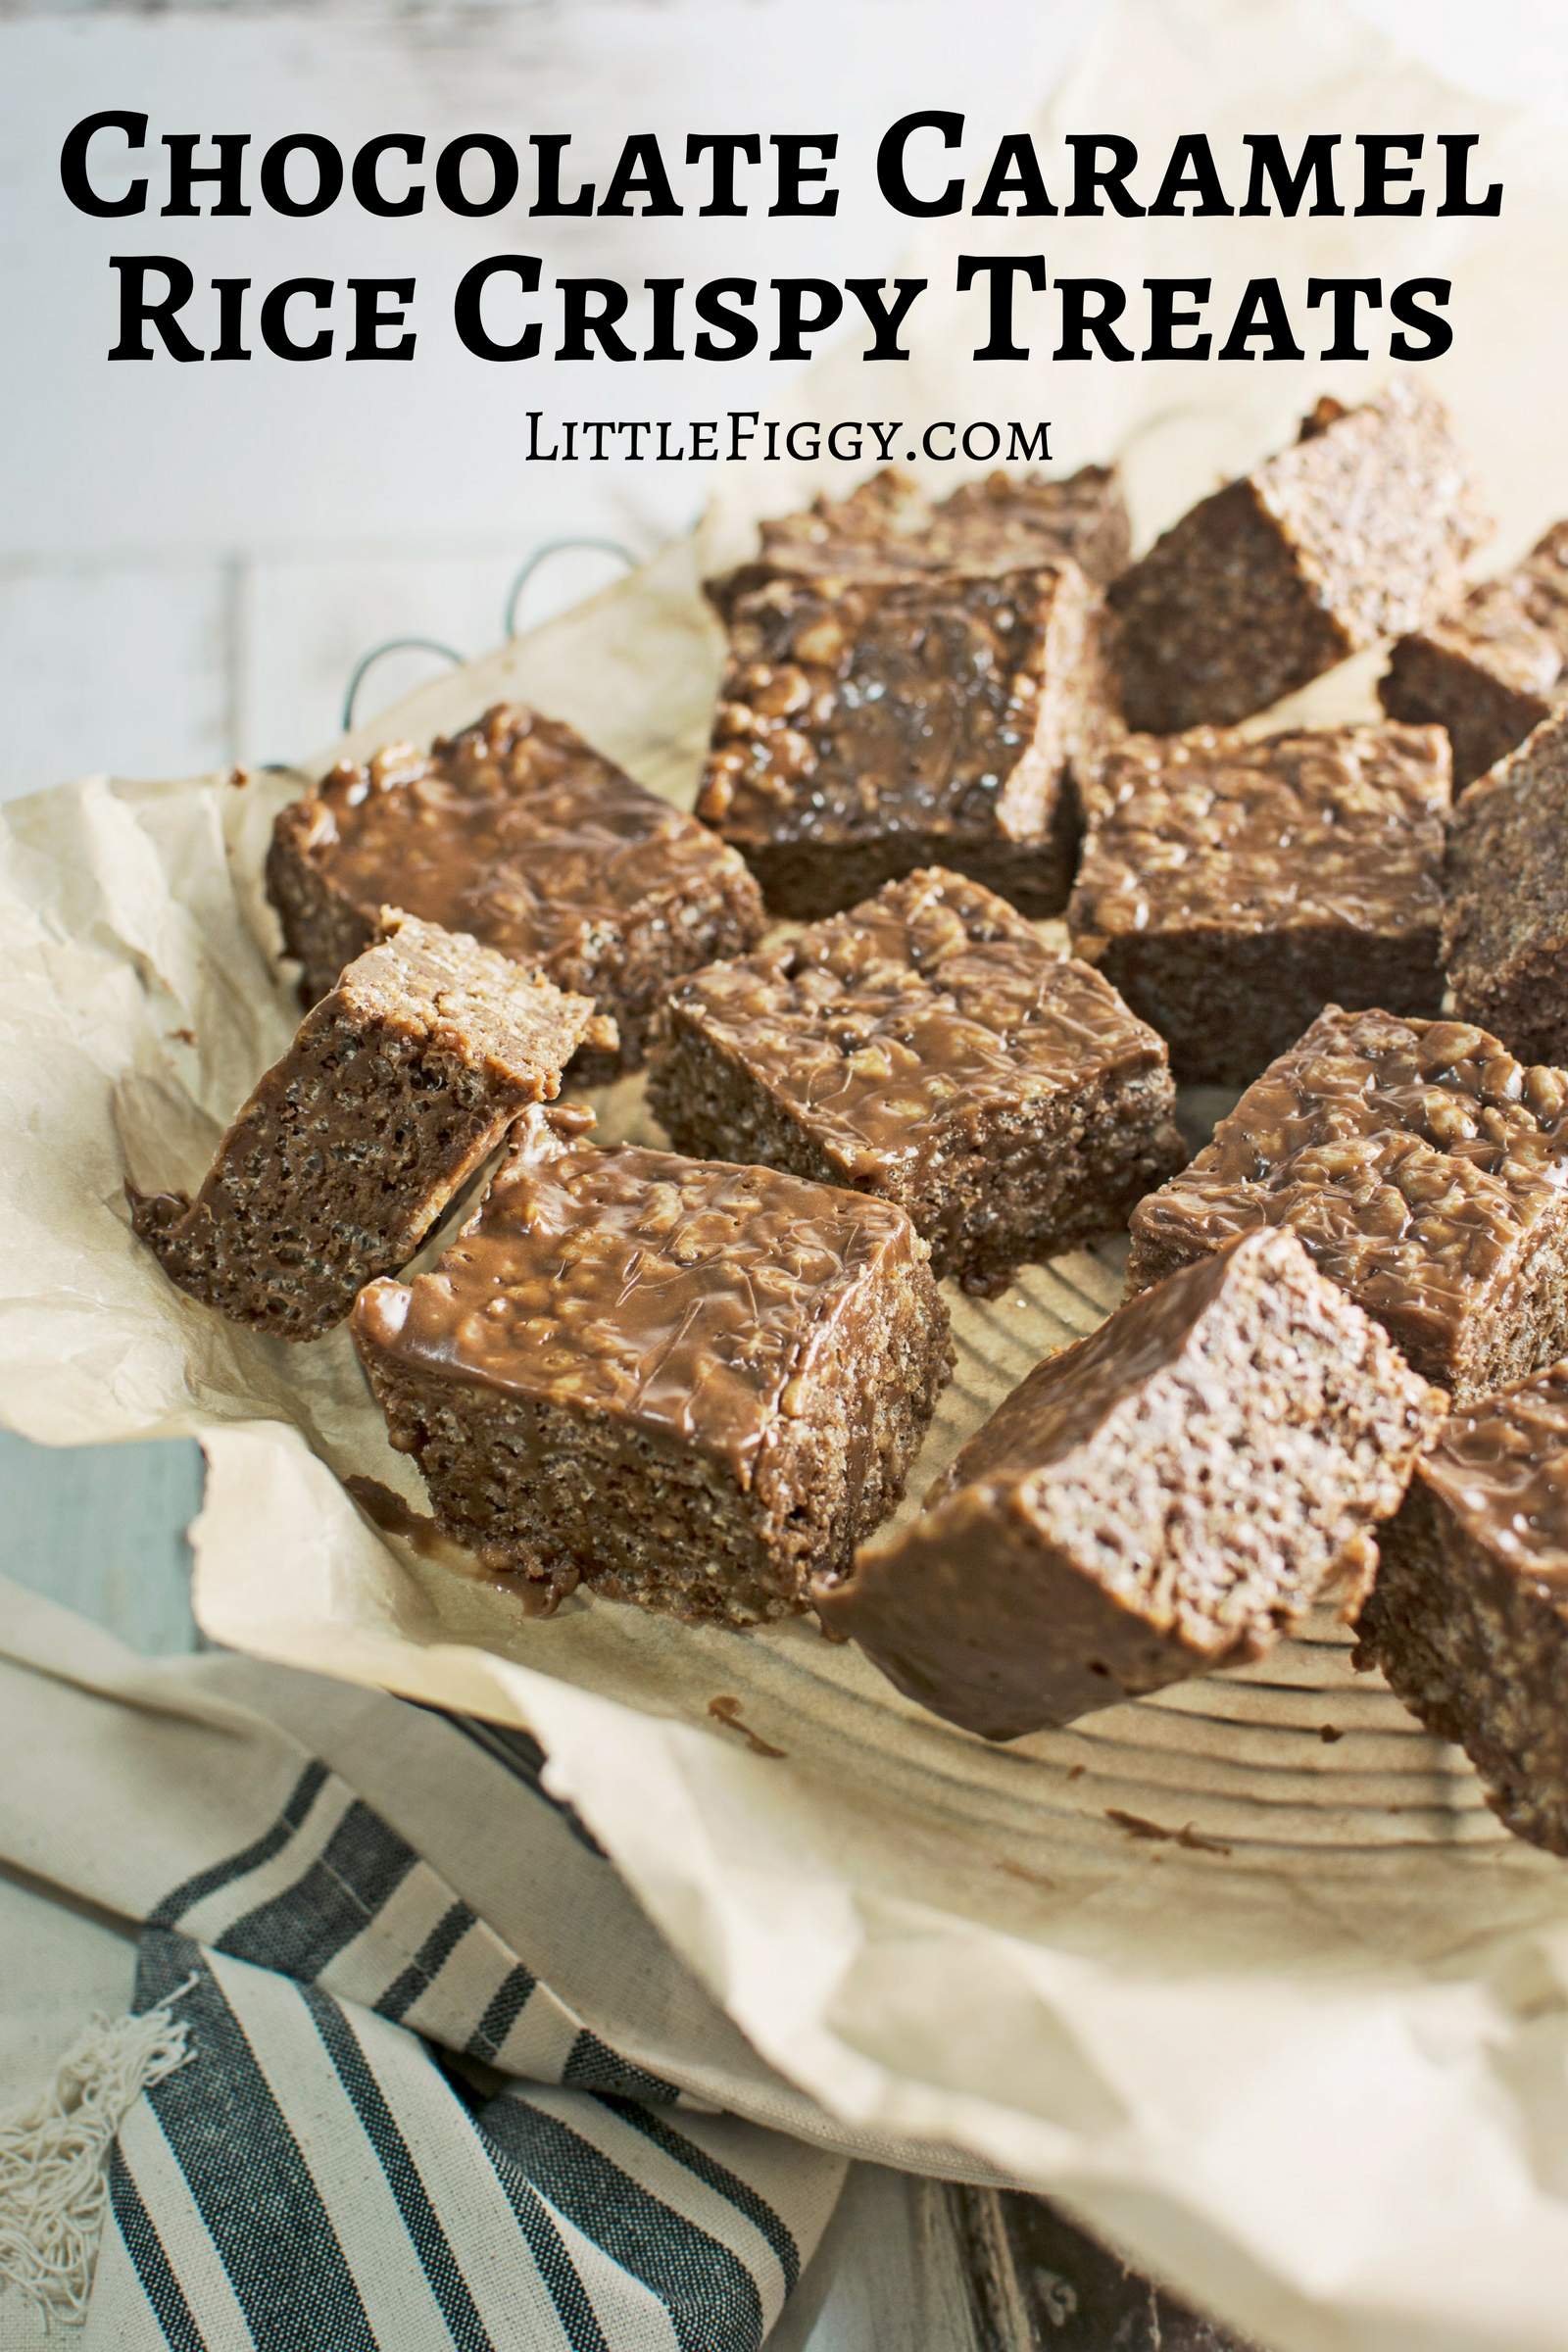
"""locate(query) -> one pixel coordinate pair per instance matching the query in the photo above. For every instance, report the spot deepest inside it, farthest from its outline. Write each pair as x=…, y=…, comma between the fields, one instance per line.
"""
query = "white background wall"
x=192, y=558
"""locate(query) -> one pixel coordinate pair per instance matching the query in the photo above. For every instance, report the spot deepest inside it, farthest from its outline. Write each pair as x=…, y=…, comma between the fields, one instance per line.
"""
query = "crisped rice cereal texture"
x=401, y=1082
x=1424, y=1168
x=1469, y=1614
x=1167, y=1496
x=1358, y=531
x=517, y=831
x=928, y=1046
x=692, y=1384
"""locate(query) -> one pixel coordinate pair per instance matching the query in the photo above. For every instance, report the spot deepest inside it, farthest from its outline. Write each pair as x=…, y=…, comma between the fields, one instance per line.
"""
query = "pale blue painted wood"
x=102, y=1527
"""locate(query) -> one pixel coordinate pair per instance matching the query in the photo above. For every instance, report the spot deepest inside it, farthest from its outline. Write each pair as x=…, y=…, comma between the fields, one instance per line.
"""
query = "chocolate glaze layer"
x=1501, y=1467
x=1416, y=1160
x=1334, y=827
x=931, y=1007
x=889, y=526
x=856, y=709
x=519, y=833
x=687, y=1296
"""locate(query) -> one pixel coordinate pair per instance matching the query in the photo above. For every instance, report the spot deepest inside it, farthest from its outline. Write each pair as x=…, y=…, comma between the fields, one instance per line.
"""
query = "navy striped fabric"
x=390, y=2134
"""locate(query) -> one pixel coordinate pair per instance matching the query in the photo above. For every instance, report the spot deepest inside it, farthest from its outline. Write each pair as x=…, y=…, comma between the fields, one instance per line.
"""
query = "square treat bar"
x=1505, y=912
x=1167, y=1496
x=928, y=1046
x=1231, y=889
x=688, y=1383
x=399, y=1084
x=890, y=526
x=1424, y=1169
x=867, y=727
x=1492, y=669
x=1358, y=531
x=517, y=832
x=1469, y=1615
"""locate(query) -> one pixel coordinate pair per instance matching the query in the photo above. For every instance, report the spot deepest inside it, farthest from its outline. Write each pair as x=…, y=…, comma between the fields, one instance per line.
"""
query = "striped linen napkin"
x=403, y=2065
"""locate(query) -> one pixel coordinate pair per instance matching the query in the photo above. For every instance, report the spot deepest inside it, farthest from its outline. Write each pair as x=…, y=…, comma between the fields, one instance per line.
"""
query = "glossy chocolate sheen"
x=932, y=1005
x=688, y=1297
x=515, y=830
x=1501, y=1467
x=1339, y=828
x=1412, y=1157
x=854, y=709
x=890, y=526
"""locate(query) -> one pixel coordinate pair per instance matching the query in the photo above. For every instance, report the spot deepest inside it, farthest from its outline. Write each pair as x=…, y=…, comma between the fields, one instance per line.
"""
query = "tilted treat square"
x=1492, y=669
x=1505, y=912
x=869, y=727
x=400, y=1084
x=1469, y=1615
x=1230, y=888
x=517, y=831
x=888, y=525
x=690, y=1384
x=1358, y=531
x=1167, y=1496
x=928, y=1046
x=1425, y=1169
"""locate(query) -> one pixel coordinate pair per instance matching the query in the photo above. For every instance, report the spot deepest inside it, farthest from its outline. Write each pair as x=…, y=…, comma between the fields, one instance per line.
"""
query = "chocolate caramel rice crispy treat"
x=1167, y=1496
x=1424, y=1169
x=517, y=831
x=1358, y=531
x=401, y=1082
x=890, y=526
x=929, y=1047
x=869, y=727
x=1469, y=1615
x=1494, y=667
x=693, y=1385
x=1230, y=888
x=1505, y=912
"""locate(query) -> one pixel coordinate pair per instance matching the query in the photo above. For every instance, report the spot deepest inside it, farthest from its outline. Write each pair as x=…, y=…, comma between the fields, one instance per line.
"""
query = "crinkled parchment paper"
x=1307, y=2059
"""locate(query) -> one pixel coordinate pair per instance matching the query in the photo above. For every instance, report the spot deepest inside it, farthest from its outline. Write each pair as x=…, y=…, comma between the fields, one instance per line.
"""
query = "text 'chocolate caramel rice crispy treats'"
x=928, y=1046
x=1469, y=1615
x=1425, y=1170
x=1167, y=1496
x=517, y=831
x=888, y=526
x=1230, y=888
x=1358, y=531
x=866, y=728
x=1505, y=909
x=1494, y=667
x=401, y=1082
x=692, y=1384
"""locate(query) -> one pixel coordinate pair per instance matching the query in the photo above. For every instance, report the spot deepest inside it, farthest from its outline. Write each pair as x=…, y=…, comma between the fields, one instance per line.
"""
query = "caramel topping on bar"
x=515, y=830
x=929, y=1002
x=1503, y=1468
x=857, y=708
x=1338, y=827
x=687, y=1296
x=1410, y=1157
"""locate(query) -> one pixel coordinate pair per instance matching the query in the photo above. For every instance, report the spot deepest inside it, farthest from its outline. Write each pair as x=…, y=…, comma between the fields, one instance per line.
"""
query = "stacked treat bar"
x=700, y=1378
